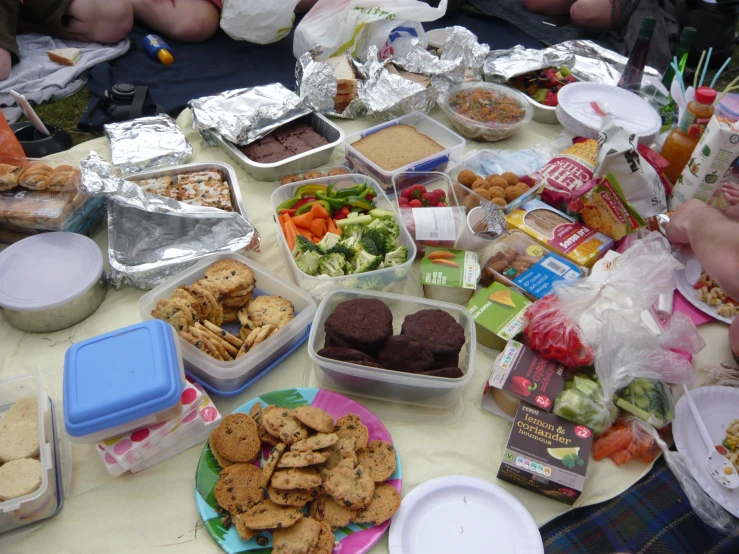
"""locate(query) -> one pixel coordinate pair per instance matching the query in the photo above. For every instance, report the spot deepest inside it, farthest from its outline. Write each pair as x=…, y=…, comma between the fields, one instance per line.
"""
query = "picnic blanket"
x=222, y=63
x=41, y=80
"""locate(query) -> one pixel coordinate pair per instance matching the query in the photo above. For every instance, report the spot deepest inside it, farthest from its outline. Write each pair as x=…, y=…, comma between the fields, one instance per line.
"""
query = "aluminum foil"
x=443, y=73
x=587, y=60
x=147, y=142
x=461, y=43
x=245, y=115
x=317, y=85
x=388, y=96
x=151, y=238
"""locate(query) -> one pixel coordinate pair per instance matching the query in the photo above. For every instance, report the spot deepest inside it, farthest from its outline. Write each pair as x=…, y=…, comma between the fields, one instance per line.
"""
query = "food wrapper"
x=605, y=209
x=443, y=73
x=586, y=60
x=462, y=44
x=245, y=115
x=147, y=142
x=151, y=238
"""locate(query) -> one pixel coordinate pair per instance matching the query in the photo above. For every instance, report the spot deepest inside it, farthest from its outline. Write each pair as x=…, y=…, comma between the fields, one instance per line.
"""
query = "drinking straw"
x=708, y=59
x=727, y=90
x=715, y=78
x=678, y=75
x=698, y=69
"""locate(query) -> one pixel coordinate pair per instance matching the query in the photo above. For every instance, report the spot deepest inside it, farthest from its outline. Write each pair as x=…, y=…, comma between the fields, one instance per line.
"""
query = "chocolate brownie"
x=287, y=141
x=344, y=354
x=370, y=364
x=445, y=360
x=295, y=144
x=438, y=330
x=403, y=353
x=363, y=324
x=449, y=372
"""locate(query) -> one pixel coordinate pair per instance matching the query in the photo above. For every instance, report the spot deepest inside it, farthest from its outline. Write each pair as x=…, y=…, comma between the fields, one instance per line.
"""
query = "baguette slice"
x=345, y=79
x=65, y=56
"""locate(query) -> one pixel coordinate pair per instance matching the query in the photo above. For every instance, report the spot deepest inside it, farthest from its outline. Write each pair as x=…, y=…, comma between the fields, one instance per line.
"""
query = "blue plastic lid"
x=119, y=377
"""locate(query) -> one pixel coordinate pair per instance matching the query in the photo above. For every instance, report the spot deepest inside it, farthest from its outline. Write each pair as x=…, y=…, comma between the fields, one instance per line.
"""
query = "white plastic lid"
x=48, y=270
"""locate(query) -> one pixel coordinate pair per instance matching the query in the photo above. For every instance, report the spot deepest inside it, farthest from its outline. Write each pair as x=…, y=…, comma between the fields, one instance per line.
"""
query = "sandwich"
x=65, y=56
x=346, y=82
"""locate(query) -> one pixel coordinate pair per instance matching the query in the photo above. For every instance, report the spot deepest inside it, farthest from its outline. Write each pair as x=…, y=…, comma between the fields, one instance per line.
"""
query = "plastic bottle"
x=631, y=77
x=158, y=49
x=681, y=141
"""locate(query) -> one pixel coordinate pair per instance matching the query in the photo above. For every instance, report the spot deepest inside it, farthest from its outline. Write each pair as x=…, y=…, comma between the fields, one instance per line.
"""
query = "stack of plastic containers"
x=126, y=392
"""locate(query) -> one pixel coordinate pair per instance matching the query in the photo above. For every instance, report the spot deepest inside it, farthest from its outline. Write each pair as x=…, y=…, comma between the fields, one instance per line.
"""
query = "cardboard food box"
x=715, y=161
x=498, y=314
x=560, y=232
x=449, y=275
x=546, y=454
x=522, y=373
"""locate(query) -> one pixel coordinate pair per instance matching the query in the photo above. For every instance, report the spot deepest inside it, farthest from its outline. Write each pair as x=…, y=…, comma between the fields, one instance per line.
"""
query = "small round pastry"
x=35, y=177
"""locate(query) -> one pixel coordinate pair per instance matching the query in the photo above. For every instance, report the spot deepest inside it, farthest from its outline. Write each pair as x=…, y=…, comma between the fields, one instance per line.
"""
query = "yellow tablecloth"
x=154, y=511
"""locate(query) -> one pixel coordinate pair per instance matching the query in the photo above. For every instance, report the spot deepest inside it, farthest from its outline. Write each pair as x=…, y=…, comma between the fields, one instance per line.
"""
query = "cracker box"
x=498, y=314
x=546, y=454
x=715, y=161
x=559, y=232
x=519, y=371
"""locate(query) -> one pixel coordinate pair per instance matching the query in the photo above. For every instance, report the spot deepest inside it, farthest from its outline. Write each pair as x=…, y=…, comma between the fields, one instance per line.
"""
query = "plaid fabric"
x=653, y=517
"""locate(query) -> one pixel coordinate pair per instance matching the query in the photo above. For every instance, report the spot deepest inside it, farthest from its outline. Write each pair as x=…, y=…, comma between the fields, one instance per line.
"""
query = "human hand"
x=683, y=218
x=731, y=193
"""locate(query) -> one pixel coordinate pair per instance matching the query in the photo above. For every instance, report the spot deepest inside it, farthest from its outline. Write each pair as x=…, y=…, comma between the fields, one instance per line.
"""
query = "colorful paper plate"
x=353, y=539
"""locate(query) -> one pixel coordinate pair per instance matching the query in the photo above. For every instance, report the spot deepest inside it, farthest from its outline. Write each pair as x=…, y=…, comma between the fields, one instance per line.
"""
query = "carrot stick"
x=319, y=211
x=307, y=234
x=332, y=227
x=318, y=227
x=291, y=234
x=303, y=220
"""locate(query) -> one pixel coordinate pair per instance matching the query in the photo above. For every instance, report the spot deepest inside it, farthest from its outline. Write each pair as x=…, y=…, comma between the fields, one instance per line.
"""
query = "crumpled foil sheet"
x=245, y=115
x=444, y=74
x=146, y=143
x=152, y=238
x=388, y=96
x=587, y=61
x=462, y=43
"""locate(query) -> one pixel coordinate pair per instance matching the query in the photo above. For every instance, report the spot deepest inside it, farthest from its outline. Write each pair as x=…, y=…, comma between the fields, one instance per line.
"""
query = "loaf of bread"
x=394, y=147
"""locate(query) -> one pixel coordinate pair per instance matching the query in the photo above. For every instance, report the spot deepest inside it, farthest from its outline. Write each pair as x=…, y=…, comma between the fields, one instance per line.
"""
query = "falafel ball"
x=486, y=194
x=496, y=192
x=466, y=177
x=513, y=192
x=479, y=184
x=498, y=182
x=511, y=178
x=499, y=202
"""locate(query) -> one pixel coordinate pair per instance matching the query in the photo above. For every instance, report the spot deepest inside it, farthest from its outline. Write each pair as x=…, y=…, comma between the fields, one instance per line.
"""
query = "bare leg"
x=185, y=20
x=4, y=64
x=599, y=15
x=548, y=7
x=95, y=21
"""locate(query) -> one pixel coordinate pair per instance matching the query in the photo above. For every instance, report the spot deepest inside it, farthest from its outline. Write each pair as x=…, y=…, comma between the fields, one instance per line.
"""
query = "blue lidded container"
x=122, y=380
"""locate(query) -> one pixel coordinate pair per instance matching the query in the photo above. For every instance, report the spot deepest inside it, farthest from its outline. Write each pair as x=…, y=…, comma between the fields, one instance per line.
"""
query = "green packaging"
x=498, y=314
x=449, y=275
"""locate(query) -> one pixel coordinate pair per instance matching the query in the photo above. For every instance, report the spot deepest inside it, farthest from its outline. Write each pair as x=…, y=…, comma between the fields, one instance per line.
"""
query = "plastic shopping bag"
x=258, y=22
x=11, y=151
x=354, y=25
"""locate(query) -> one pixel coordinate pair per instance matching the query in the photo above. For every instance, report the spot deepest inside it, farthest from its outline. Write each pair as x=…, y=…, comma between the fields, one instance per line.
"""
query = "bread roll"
x=35, y=177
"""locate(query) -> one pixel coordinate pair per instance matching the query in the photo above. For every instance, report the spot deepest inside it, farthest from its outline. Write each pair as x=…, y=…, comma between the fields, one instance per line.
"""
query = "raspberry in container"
x=516, y=260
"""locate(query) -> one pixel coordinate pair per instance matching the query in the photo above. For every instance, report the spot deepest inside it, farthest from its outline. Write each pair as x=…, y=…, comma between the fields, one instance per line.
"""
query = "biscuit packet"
x=605, y=209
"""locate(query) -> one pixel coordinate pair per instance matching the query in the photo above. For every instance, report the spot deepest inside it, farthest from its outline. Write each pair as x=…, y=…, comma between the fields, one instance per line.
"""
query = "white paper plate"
x=626, y=108
x=691, y=295
x=718, y=408
x=465, y=515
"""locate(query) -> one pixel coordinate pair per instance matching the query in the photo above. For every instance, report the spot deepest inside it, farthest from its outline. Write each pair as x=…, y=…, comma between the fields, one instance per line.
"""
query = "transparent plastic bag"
x=628, y=439
x=584, y=401
x=722, y=375
x=707, y=509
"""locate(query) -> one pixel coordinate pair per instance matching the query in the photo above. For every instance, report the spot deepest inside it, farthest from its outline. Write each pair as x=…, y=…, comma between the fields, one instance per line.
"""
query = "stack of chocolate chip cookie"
x=224, y=295
x=20, y=468
x=361, y=332
x=320, y=475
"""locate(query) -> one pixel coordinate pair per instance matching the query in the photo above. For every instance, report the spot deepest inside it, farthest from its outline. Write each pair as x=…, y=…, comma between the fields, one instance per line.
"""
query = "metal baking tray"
x=295, y=164
x=229, y=175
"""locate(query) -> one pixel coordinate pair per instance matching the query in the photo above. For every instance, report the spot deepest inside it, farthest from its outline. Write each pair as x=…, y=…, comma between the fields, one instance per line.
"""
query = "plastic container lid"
x=48, y=270
x=705, y=95
x=119, y=377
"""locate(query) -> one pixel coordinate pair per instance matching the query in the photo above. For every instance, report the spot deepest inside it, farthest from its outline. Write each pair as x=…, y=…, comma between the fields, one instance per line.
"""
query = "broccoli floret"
x=371, y=283
x=366, y=244
x=349, y=242
x=332, y=265
x=328, y=241
x=366, y=262
x=303, y=245
x=354, y=230
x=378, y=238
x=341, y=249
x=396, y=257
x=309, y=262
x=387, y=227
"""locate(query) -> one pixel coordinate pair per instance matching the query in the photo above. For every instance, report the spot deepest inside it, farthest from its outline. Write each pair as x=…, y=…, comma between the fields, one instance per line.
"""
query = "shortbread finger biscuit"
x=281, y=423
x=212, y=341
x=225, y=335
x=270, y=465
x=385, y=502
x=19, y=478
x=315, y=418
x=268, y=515
x=295, y=478
x=237, y=438
x=227, y=346
x=239, y=488
x=19, y=439
x=326, y=509
x=378, y=458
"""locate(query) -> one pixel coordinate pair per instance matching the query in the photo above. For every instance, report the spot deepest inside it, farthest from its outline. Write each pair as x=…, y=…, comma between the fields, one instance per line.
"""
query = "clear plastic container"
x=440, y=394
x=451, y=141
x=729, y=107
x=390, y=278
x=22, y=515
x=121, y=381
x=490, y=131
x=228, y=377
x=533, y=269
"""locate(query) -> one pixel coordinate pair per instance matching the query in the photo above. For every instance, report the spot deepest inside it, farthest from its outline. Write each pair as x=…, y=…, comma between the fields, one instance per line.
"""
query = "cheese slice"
x=502, y=297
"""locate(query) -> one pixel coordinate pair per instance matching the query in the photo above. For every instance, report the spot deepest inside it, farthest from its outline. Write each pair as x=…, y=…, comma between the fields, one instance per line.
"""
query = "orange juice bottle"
x=682, y=140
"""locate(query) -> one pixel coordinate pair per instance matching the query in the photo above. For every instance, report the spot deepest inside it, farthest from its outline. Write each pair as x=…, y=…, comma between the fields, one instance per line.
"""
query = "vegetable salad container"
x=441, y=394
x=22, y=400
x=450, y=141
x=230, y=378
x=388, y=278
x=122, y=380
